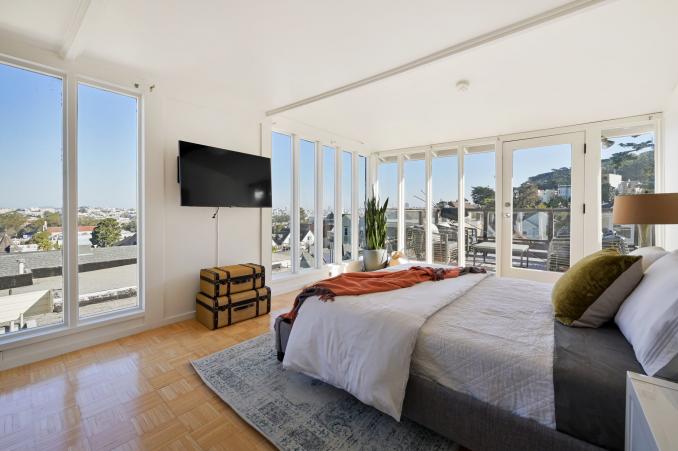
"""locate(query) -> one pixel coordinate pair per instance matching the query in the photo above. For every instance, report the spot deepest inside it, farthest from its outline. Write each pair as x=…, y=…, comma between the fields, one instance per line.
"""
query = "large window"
x=307, y=183
x=414, y=175
x=479, y=195
x=107, y=199
x=627, y=167
x=388, y=190
x=37, y=231
x=329, y=226
x=281, y=186
x=346, y=204
x=445, y=201
x=31, y=200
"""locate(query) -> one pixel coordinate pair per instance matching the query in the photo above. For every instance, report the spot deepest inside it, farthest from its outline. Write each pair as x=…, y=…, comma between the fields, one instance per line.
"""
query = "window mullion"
x=294, y=226
x=70, y=210
x=318, y=221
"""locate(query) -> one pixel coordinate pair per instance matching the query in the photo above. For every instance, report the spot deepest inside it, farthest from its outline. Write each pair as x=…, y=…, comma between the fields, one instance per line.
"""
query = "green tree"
x=11, y=222
x=303, y=216
x=42, y=240
x=526, y=196
x=53, y=218
x=607, y=193
x=483, y=196
x=130, y=226
x=87, y=221
x=106, y=233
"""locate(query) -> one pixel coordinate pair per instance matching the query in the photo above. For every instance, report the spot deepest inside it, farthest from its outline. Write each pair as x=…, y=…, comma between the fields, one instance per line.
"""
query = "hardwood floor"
x=138, y=392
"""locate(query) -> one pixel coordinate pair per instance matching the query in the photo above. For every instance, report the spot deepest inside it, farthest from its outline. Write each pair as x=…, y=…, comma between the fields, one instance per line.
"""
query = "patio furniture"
x=486, y=247
x=614, y=241
x=444, y=245
x=559, y=255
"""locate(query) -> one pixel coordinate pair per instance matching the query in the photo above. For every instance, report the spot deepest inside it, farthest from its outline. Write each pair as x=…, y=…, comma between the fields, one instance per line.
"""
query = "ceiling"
x=611, y=60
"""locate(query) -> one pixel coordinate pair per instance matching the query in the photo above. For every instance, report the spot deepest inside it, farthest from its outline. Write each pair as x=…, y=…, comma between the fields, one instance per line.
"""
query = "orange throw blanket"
x=357, y=283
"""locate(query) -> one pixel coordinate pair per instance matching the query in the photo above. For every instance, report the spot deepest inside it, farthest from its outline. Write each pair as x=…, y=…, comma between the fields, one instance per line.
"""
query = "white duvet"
x=364, y=344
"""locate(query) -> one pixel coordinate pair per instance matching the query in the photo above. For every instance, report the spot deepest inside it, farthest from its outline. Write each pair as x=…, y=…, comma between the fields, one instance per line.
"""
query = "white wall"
x=178, y=240
x=671, y=160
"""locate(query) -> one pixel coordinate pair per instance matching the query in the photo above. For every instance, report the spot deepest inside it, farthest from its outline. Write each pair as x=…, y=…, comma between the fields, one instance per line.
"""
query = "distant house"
x=56, y=234
x=306, y=237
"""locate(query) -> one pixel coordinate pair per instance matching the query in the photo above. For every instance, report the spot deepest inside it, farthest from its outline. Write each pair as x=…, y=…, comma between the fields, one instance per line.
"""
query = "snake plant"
x=375, y=223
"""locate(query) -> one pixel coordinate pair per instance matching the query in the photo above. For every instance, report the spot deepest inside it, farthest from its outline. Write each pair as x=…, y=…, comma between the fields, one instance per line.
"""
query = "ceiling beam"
x=75, y=38
x=516, y=27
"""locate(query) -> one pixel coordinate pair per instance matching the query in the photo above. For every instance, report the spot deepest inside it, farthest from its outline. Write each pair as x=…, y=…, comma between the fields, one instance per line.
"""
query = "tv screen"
x=212, y=177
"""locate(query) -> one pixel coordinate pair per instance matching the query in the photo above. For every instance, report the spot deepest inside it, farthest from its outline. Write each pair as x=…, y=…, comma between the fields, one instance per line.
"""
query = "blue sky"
x=31, y=143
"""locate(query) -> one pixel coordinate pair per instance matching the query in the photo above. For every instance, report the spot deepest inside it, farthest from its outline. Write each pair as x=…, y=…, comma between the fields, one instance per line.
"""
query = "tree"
x=483, y=196
x=11, y=222
x=42, y=240
x=106, y=233
x=87, y=220
x=526, y=196
x=303, y=216
x=130, y=226
x=53, y=218
x=607, y=192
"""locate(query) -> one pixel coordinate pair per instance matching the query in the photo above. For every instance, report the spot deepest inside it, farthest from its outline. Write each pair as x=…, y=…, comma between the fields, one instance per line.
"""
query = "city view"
x=32, y=238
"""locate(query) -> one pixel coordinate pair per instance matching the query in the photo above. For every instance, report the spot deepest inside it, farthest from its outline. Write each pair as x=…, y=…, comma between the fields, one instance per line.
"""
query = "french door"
x=542, y=205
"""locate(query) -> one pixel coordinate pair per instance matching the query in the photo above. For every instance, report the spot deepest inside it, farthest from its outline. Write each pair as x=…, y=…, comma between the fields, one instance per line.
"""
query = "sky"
x=31, y=143
x=281, y=174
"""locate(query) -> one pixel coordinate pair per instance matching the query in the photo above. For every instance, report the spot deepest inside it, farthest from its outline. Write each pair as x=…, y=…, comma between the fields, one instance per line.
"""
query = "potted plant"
x=375, y=256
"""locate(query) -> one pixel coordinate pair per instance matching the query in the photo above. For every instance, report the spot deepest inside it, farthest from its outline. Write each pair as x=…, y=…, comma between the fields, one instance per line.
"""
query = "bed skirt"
x=474, y=424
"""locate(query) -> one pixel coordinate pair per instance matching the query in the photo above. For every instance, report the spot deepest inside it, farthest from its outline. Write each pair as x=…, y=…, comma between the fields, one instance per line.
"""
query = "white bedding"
x=494, y=343
x=364, y=344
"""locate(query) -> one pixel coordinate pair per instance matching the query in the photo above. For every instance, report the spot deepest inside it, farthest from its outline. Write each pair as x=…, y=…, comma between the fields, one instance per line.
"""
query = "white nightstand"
x=651, y=413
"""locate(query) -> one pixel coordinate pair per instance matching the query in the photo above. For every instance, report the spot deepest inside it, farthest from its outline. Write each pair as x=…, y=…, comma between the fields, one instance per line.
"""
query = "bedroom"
x=548, y=105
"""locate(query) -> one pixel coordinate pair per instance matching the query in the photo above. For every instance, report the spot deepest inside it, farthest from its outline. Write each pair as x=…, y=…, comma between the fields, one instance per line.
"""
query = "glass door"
x=542, y=206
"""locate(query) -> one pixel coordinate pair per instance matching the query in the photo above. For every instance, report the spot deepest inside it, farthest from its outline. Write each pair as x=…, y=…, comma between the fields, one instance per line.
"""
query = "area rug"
x=296, y=412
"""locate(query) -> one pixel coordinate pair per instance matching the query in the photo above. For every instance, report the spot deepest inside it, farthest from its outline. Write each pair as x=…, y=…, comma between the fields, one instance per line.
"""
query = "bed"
x=490, y=369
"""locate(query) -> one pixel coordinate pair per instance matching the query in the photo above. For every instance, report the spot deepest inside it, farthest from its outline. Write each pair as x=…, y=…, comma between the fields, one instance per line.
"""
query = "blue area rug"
x=296, y=412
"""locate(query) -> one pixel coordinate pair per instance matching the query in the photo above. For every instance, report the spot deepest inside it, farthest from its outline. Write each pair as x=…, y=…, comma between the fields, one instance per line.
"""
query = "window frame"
x=593, y=132
x=340, y=146
x=72, y=323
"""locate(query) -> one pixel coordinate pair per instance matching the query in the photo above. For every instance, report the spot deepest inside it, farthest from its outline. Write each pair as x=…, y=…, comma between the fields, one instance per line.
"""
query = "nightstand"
x=651, y=413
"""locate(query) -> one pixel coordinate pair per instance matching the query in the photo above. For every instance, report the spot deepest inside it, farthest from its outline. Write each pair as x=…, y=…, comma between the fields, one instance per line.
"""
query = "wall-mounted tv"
x=213, y=177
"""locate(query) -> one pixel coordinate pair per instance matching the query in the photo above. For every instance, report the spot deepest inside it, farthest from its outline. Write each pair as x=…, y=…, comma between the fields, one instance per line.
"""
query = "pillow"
x=649, y=318
x=591, y=291
x=650, y=255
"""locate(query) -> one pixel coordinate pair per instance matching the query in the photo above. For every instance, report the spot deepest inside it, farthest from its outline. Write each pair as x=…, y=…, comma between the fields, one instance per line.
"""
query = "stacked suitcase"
x=230, y=294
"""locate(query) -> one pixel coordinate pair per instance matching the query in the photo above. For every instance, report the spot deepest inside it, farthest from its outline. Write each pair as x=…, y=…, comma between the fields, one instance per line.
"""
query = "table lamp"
x=645, y=210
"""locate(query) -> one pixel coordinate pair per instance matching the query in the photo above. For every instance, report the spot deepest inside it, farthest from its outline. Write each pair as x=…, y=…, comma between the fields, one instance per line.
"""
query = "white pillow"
x=648, y=318
x=650, y=255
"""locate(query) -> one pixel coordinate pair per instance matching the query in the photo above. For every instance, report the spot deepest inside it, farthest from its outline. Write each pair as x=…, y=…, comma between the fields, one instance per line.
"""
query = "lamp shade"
x=661, y=208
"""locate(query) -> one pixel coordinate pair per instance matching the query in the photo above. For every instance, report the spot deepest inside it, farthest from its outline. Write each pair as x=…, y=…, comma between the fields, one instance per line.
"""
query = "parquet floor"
x=138, y=392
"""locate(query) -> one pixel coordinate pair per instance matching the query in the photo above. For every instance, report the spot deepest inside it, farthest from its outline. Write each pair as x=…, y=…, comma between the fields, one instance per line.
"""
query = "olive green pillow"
x=591, y=291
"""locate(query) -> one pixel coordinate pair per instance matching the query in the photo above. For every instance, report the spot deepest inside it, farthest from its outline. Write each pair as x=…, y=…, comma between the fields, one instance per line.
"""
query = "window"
x=627, y=167
x=479, y=195
x=414, y=176
x=445, y=201
x=107, y=212
x=31, y=200
x=362, y=199
x=306, y=204
x=388, y=190
x=346, y=204
x=281, y=187
x=329, y=166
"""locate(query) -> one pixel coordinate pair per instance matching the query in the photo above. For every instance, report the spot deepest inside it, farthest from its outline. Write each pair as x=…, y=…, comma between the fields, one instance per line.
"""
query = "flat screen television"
x=213, y=177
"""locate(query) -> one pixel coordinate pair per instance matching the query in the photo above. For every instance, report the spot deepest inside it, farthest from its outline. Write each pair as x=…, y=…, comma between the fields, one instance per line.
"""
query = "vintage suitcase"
x=226, y=280
x=230, y=309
